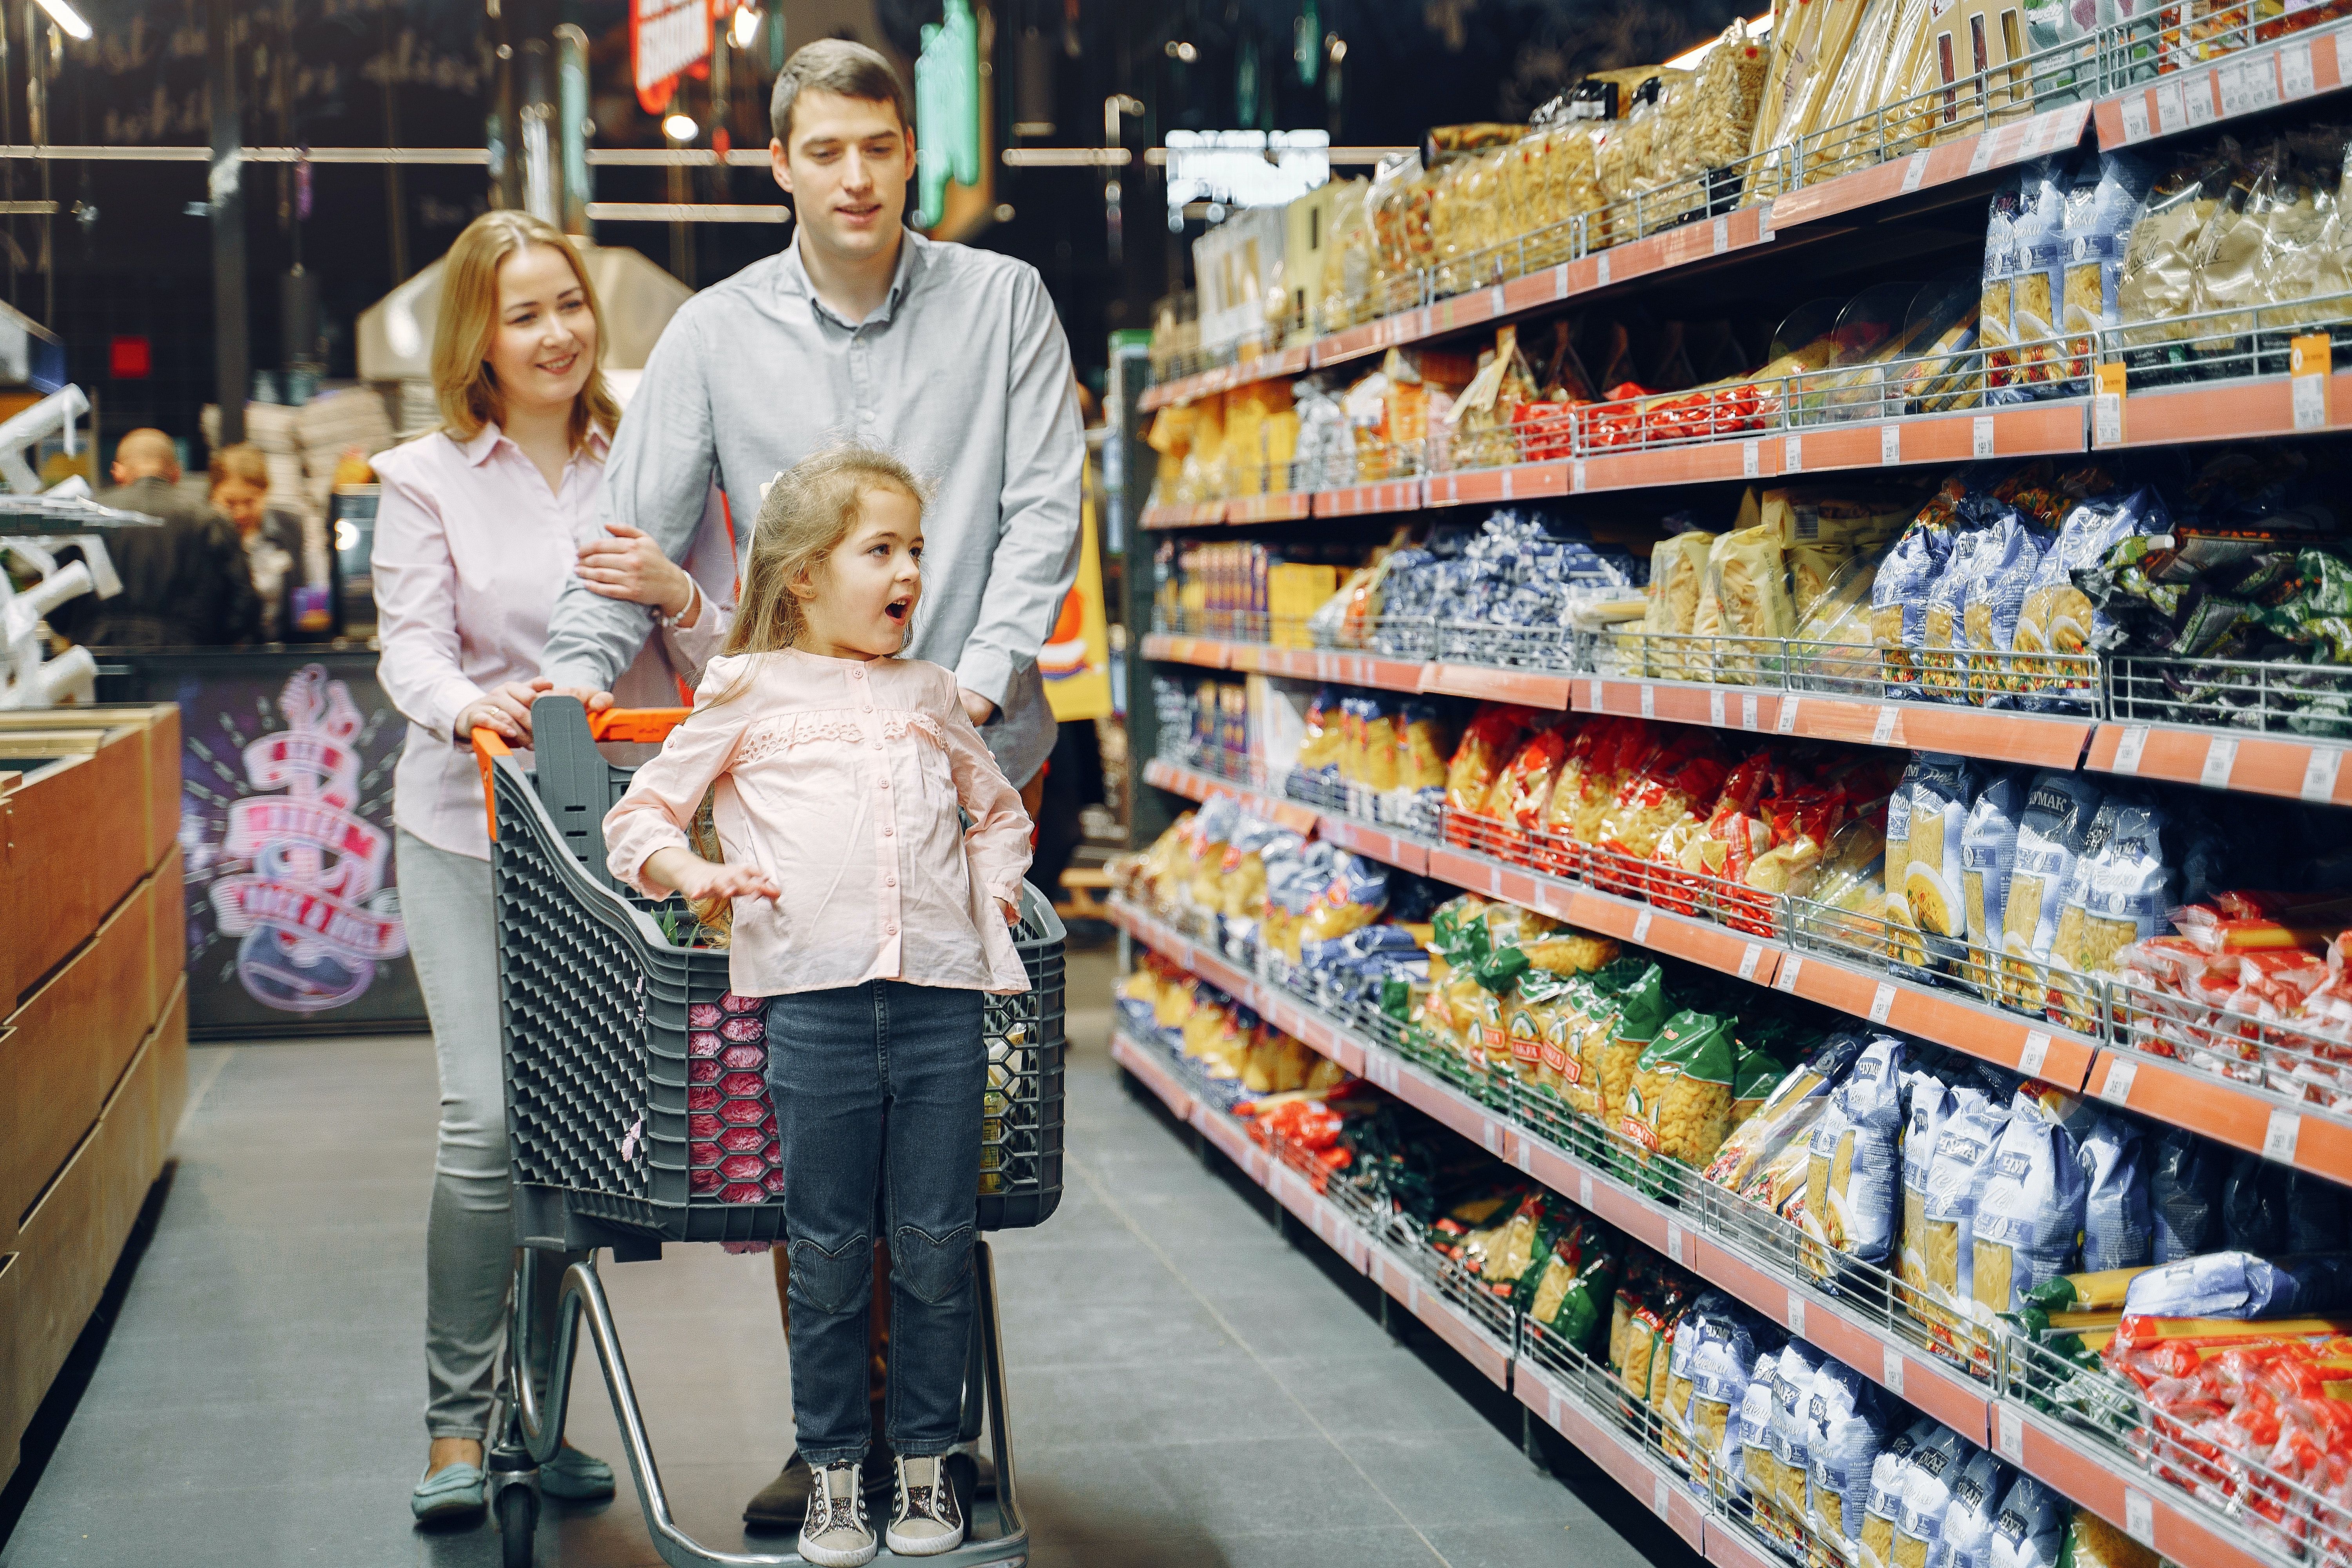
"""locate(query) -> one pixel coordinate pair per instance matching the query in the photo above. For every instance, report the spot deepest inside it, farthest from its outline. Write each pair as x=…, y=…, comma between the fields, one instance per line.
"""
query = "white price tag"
x=1981, y=159
x=2295, y=80
x=1890, y=1369
x=1882, y=732
x=1751, y=459
x=1764, y=221
x=1507, y=484
x=2134, y=114
x=2197, y=100
x=1792, y=454
x=1560, y=281
x=2249, y=85
x=1584, y=1189
x=1722, y=235
x=1649, y=701
x=2220, y=756
x=1674, y=1243
x=1658, y=1494
x=2140, y=1518
x=1715, y=716
x=2319, y=771
x=1749, y=959
x=2309, y=393
x=2117, y=1087
x=2107, y=419
x=1882, y=1001
x=1787, y=723
x=2036, y=1052
x=1796, y=1314
x=1748, y=710
x=2170, y=115
x=2280, y=1136
x=2009, y=1434
x=1641, y=927
x=1551, y=1403
x=1786, y=978
x=2128, y=747
x=1601, y=267
x=1593, y=695
x=1490, y=1133
x=1890, y=444
x=1980, y=436
x=1914, y=169
x=1575, y=476
x=1494, y=300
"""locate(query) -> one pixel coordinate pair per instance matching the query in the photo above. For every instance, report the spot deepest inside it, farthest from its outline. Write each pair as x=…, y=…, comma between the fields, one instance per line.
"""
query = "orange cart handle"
x=647, y=725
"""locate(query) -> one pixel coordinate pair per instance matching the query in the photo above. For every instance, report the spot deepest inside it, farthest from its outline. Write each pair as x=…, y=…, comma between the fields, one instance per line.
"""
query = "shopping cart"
x=628, y=1131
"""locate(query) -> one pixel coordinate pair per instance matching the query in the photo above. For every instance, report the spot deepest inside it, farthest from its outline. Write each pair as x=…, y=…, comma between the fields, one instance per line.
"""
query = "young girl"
x=875, y=922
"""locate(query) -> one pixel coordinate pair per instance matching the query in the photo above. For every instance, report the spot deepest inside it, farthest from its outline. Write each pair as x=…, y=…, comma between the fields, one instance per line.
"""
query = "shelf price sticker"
x=2170, y=114
x=1584, y=1189
x=1882, y=732
x=2129, y=745
x=2319, y=773
x=1786, y=722
x=2115, y=1090
x=1748, y=710
x=1915, y=170
x=2221, y=758
x=2135, y=116
x=1751, y=459
x=1796, y=1314
x=1494, y=300
x=2139, y=1517
x=1659, y=1492
x=2279, y=1137
x=2196, y=101
x=1882, y=1001
x=1786, y=980
x=1715, y=716
x=1600, y=271
x=1749, y=959
x=1890, y=1369
x=2295, y=79
x=1722, y=235
x=2108, y=405
x=1792, y=454
x=2036, y=1052
x=1642, y=928
x=2249, y=85
x=1890, y=438
x=1764, y=222
x=1593, y=695
x=1649, y=701
x=1980, y=436
x=1675, y=1248
x=1575, y=476
x=2308, y=362
x=2009, y=1434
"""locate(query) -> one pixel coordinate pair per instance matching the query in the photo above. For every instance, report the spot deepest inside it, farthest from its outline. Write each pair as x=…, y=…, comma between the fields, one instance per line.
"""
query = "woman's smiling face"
x=545, y=346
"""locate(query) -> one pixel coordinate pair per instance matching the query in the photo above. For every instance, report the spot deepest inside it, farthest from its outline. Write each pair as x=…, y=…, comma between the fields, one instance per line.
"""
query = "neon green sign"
x=947, y=110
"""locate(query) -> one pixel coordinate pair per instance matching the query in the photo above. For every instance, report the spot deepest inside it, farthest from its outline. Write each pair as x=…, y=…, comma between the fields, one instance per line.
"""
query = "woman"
x=478, y=526
x=240, y=492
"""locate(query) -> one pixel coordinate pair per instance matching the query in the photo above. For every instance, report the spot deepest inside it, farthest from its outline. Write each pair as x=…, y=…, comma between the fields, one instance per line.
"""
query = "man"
x=861, y=330
x=184, y=584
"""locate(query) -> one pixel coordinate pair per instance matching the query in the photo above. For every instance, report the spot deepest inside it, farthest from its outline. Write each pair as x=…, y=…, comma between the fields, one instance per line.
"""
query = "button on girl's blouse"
x=808, y=762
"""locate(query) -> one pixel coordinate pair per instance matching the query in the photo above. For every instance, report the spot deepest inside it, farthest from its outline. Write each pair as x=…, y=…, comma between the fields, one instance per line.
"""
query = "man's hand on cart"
x=690, y=875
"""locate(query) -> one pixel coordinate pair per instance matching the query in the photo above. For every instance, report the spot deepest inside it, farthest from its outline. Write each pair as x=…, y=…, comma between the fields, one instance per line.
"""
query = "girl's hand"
x=631, y=566
x=1010, y=911
x=688, y=874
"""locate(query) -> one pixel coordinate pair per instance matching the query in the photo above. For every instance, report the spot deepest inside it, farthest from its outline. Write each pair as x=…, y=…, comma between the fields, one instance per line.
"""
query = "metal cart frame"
x=546, y=861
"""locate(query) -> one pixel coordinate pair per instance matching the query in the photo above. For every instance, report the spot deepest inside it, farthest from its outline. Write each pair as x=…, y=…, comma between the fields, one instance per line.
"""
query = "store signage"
x=1245, y=168
x=666, y=38
x=130, y=358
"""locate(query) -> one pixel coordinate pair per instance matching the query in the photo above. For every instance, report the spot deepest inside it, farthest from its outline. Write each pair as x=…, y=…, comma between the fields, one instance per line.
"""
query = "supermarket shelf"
x=2245, y=82
x=2257, y=764
x=2028, y=1046
x=1185, y=514
x=2155, y=1515
x=1532, y=688
x=2244, y=1118
x=1292, y=361
x=1625, y=1461
x=1359, y=500
x=1283, y=506
x=2052, y=131
x=2244, y=409
x=1999, y=736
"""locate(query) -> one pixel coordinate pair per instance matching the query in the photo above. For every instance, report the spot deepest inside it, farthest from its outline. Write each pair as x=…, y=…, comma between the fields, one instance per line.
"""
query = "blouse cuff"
x=632, y=850
x=692, y=648
x=449, y=698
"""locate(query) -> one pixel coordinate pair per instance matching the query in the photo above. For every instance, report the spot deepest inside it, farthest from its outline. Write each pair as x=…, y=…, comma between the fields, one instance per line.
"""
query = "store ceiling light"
x=679, y=128
x=65, y=16
x=1179, y=51
x=747, y=26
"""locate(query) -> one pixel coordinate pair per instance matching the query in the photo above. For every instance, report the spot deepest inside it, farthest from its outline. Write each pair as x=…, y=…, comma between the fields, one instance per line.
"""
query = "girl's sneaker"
x=927, y=1521
x=834, y=1535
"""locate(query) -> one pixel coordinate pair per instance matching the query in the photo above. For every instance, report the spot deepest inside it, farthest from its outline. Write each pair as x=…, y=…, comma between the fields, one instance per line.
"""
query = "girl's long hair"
x=805, y=513
x=462, y=382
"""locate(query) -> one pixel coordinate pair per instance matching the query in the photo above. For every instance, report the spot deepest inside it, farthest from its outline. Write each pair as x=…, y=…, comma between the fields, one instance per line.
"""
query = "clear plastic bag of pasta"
x=1679, y=1105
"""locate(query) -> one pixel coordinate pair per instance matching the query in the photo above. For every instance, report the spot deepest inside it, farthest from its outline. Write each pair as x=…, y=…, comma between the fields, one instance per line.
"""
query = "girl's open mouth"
x=896, y=610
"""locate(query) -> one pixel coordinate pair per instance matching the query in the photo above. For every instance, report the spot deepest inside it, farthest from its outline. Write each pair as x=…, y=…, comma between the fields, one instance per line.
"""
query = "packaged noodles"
x=2029, y=1220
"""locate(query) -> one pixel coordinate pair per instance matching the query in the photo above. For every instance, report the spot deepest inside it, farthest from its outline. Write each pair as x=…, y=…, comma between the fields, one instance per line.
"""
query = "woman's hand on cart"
x=504, y=711
x=693, y=878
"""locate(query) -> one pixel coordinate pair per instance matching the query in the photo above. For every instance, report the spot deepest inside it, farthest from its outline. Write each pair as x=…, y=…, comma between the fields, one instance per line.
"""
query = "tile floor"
x=1186, y=1387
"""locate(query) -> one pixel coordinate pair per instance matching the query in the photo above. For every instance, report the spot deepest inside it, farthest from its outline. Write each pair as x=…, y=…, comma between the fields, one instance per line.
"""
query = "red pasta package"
x=1620, y=748
x=1523, y=794
x=1486, y=745
x=1680, y=783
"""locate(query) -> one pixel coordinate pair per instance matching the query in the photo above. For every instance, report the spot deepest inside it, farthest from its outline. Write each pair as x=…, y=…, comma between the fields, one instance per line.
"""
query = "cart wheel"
x=517, y=1520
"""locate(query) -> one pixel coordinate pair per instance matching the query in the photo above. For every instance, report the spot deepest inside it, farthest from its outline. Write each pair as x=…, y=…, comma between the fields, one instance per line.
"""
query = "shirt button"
x=856, y=674
x=890, y=931
x=865, y=415
x=886, y=831
x=885, y=784
x=889, y=881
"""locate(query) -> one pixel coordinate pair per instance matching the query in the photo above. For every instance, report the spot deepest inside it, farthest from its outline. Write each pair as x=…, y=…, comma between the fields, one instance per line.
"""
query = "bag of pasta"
x=1744, y=594
x=1958, y=1175
x=2030, y=1529
x=1421, y=745
x=1573, y=1053
x=1720, y=1366
x=1530, y=1014
x=1523, y=794
x=1677, y=787
x=2029, y=1221
x=1991, y=602
x=1641, y=1011
x=1622, y=749
x=2061, y=810
x=1793, y=1398
x=1844, y=1432
x=1852, y=1181
x=1677, y=576
x=1679, y=1105
x=1572, y=1292
x=1788, y=1113
x=1486, y=745
x=1898, y=601
x=1969, y=1515
x=1940, y=798
x=1890, y=1473
x=1927, y=1494
x=2123, y=892
x=1747, y=1445
x=1356, y=896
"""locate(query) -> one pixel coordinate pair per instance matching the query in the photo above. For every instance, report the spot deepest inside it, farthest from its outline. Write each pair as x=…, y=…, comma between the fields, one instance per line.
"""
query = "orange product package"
x=1620, y=747
x=1680, y=783
x=1486, y=745
x=1524, y=793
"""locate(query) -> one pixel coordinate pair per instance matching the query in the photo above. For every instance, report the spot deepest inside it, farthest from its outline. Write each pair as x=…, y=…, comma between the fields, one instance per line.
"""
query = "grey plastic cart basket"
x=593, y=999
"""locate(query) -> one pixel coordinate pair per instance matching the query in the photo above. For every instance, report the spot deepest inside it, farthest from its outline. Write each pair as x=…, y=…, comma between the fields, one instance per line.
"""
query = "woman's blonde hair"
x=468, y=321
x=807, y=511
x=243, y=461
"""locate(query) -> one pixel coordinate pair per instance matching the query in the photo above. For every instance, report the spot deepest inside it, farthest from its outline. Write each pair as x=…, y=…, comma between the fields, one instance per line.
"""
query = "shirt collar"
x=912, y=248
x=486, y=440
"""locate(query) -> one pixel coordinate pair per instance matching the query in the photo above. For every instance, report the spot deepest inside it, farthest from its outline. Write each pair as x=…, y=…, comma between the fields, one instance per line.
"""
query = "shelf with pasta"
x=2235, y=59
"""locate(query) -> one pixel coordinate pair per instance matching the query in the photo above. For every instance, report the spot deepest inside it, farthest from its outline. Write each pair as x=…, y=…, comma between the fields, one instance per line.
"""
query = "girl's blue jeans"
x=878, y=1092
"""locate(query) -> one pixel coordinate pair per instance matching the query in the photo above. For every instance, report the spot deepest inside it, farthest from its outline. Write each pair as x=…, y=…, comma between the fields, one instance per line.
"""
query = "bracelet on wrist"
x=693, y=597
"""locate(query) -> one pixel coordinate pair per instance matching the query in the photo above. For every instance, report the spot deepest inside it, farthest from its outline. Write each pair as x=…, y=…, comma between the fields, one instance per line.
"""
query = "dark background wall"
x=128, y=260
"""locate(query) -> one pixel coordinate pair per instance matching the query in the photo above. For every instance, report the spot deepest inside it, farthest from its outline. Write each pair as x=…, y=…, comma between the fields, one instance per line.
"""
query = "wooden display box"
x=90, y=804
x=52, y=1278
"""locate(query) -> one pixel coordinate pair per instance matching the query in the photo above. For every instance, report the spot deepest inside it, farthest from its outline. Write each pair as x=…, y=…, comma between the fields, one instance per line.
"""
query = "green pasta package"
x=1575, y=1287
x=1680, y=1102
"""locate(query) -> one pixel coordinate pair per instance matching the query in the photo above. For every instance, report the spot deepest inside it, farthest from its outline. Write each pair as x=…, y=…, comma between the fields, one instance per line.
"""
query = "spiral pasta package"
x=1679, y=1103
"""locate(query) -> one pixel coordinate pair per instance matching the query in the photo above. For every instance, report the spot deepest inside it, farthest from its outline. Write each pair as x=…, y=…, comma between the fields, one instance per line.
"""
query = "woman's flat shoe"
x=451, y=1493
x=576, y=1476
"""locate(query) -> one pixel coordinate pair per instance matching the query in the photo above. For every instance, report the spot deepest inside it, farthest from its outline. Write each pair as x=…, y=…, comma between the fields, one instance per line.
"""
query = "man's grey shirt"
x=962, y=373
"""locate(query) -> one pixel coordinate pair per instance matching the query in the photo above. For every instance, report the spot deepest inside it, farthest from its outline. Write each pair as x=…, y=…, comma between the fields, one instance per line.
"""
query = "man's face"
x=846, y=171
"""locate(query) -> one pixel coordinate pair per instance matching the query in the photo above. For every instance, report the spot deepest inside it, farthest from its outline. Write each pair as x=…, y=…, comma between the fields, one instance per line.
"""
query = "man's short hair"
x=838, y=66
x=147, y=448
